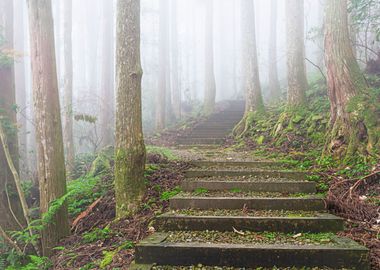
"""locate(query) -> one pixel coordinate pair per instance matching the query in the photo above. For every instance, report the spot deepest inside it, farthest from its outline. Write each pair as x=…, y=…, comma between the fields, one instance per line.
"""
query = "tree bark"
x=10, y=207
x=210, y=85
x=297, y=80
x=274, y=83
x=107, y=92
x=254, y=104
x=354, y=122
x=130, y=149
x=254, y=99
x=68, y=87
x=176, y=90
x=51, y=161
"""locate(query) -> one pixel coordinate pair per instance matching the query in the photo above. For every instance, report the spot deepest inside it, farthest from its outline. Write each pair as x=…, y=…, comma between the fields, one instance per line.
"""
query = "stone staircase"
x=240, y=213
x=216, y=127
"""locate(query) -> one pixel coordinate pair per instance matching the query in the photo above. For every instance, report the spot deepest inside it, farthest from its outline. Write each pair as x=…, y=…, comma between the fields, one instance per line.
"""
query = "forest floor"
x=99, y=242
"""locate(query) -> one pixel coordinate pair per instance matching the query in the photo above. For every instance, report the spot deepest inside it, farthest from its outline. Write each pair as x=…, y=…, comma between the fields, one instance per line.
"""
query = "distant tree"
x=21, y=87
x=68, y=86
x=254, y=100
x=51, y=161
x=355, y=118
x=297, y=80
x=274, y=83
x=162, y=98
x=210, y=85
x=176, y=90
x=107, y=93
x=130, y=149
x=10, y=207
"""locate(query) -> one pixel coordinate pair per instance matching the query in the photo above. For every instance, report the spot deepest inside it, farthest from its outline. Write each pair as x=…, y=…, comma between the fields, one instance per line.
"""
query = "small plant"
x=200, y=191
x=97, y=235
x=236, y=190
x=167, y=195
x=270, y=235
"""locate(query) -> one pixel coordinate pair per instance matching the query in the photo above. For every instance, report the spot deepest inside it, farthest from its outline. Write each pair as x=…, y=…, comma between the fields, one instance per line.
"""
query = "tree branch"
x=318, y=67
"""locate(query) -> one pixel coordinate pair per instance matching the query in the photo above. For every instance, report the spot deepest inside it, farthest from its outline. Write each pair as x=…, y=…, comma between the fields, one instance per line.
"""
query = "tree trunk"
x=68, y=87
x=176, y=90
x=51, y=161
x=297, y=80
x=107, y=93
x=130, y=149
x=254, y=100
x=10, y=207
x=210, y=85
x=21, y=91
x=354, y=122
x=274, y=83
x=163, y=52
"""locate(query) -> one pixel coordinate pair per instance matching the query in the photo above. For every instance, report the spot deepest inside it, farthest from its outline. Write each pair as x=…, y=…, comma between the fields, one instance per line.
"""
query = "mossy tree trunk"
x=254, y=100
x=274, y=83
x=354, y=122
x=51, y=161
x=68, y=87
x=130, y=149
x=210, y=84
x=10, y=207
x=297, y=80
x=107, y=86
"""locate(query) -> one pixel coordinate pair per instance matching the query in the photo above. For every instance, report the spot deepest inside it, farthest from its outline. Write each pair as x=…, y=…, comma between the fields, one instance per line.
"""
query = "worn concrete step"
x=254, y=203
x=200, y=141
x=251, y=164
x=259, y=186
x=198, y=146
x=345, y=253
x=251, y=173
x=316, y=224
x=205, y=135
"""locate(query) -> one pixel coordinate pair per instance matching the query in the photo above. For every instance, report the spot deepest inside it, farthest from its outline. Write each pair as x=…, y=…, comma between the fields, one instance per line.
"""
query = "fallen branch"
x=85, y=213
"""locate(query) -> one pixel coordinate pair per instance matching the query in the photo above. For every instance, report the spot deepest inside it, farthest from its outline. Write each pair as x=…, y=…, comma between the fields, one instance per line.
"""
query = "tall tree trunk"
x=274, y=83
x=51, y=161
x=297, y=80
x=20, y=79
x=254, y=100
x=210, y=85
x=68, y=87
x=163, y=52
x=176, y=90
x=130, y=149
x=10, y=207
x=354, y=122
x=107, y=92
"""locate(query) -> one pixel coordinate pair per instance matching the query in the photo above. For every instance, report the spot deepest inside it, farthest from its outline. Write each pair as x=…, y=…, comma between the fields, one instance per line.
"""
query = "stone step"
x=198, y=146
x=251, y=164
x=316, y=224
x=252, y=173
x=252, y=203
x=344, y=253
x=259, y=186
x=200, y=141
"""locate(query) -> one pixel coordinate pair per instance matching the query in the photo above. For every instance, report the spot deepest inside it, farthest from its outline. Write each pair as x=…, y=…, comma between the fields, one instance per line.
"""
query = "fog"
x=93, y=53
